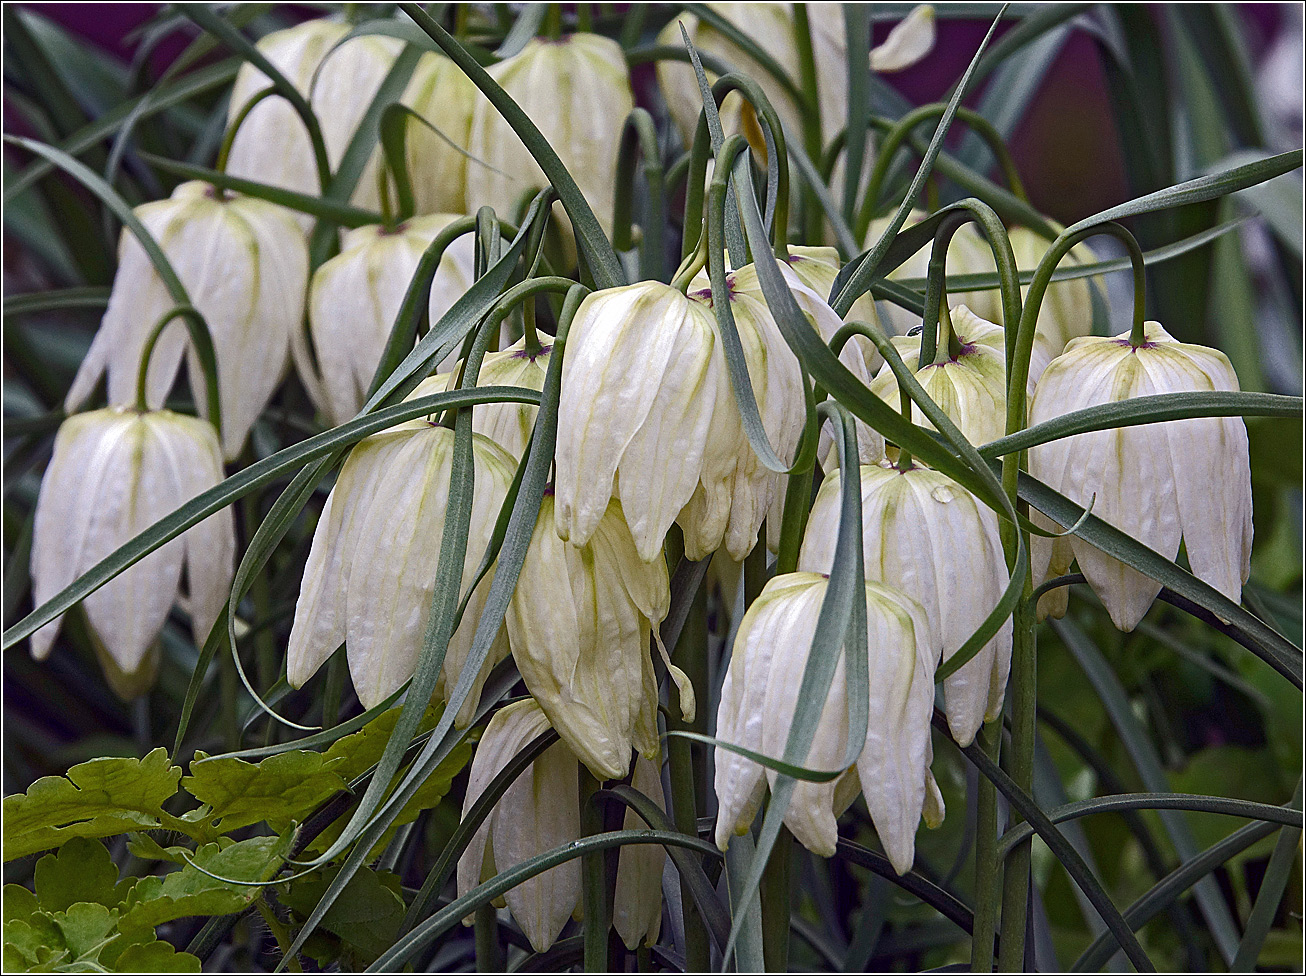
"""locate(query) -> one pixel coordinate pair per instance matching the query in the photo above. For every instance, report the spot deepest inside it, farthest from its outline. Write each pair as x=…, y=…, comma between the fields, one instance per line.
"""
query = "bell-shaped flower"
x=355, y=297
x=932, y=539
x=436, y=152
x=968, y=253
x=1155, y=482
x=577, y=92
x=579, y=625
x=771, y=27
x=371, y=570
x=113, y=474
x=272, y=145
x=541, y=811
x=244, y=265
x=970, y=387
x=760, y=695
x=507, y=424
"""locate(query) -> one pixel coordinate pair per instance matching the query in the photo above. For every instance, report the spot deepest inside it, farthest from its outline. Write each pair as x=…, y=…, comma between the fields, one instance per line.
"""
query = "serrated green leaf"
x=156, y=957
x=81, y=871
x=190, y=891
x=99, y=798
x=85, y=926
x=36, y=941
x=280, y=789
x=366, y=914
x=361, y=751
x=19, y=903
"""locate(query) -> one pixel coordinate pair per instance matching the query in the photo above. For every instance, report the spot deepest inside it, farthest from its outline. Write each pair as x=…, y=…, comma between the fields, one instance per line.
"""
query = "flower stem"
x=229, y=138
x=776, y=905
x=986, y=863
x=1016, y=878
x=593, y=876
x=489, y=954
x=691, y=656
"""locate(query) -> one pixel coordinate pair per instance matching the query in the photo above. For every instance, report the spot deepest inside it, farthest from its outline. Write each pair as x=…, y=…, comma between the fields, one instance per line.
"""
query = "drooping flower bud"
x=445, y=97
x=272, y=145
x=1156, y=482
x=507, y=424
x=244, y=264
x=579, y=625
x=577, y=92
x=968, y=253
x=929, y=537
x=759, y=697
x=541, y=811
x=356, y=295
x=371, y=569
x=113, y=474
x=971, y=388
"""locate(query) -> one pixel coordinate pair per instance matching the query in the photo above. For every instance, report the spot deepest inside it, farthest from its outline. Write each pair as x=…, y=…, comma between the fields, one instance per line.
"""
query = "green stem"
x=691, y=656
x=553, y=22
x=280, y=932
x=202, y=341
x=229, y=692
x=904, y=403
x=986, y=863
x=639, y=133
x=229, y=138
x=1024, y=707
x=777, y=905
x=807, y=81
x=897, y=135
x=594, y=902
x=393, y=128
x=692, y=265
x=489, y=954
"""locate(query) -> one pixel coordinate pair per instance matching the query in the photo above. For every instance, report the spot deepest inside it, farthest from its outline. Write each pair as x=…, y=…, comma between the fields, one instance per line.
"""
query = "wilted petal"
x=910, y=40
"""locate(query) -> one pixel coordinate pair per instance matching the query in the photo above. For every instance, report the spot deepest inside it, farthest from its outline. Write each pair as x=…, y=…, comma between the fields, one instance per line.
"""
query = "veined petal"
x=320, y=612
x=192, y=457
x=637, y=900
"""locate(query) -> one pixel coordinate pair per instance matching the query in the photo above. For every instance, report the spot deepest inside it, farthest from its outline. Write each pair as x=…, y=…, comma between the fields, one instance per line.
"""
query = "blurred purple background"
x=1082, y=175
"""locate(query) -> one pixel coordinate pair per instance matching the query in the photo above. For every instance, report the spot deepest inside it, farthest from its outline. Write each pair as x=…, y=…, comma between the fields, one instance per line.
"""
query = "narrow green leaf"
x=1150, y=770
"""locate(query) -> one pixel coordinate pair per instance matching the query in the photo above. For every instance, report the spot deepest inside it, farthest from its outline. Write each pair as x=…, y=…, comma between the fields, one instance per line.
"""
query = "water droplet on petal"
x=942, y=494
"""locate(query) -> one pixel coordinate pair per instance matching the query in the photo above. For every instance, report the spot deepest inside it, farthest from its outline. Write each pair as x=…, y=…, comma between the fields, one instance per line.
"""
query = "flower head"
x=441, y=94
x=507, y=424
x=929, y=537
x=759, y=699
x=114, y=473
x=244, y=265
x=371, y=569
x=356, y=295
x=272, y=146
x=579, y=625
x=971, y=388
x=1156, y=482
x=541, y=811
x=577, y=92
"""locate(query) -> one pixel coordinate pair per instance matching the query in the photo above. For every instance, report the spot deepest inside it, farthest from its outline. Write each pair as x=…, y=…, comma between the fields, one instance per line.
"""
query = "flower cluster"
x=652, y=444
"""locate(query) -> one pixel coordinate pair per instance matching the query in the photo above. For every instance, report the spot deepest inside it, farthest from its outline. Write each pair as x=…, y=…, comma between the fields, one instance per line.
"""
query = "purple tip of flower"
x=532, y=356
x=392, y=231
x=548, y=491
x=1146, y=344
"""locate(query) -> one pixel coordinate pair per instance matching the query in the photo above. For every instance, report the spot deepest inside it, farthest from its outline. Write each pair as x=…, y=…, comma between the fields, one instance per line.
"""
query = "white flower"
x=114, y=473
x=971, y=389
x=647, y=415
x=759, y=697
x=356, y=295
x=507, y=424
x=579, y=625
x=371, y=570
x=771, y=26
x=272, y=145
x=1155, y=482
x=577, y=92
x=929, y=537
x=244, y=264
x=437, y=162
x=541, y=811
x=968, y=253
x=640, y=384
